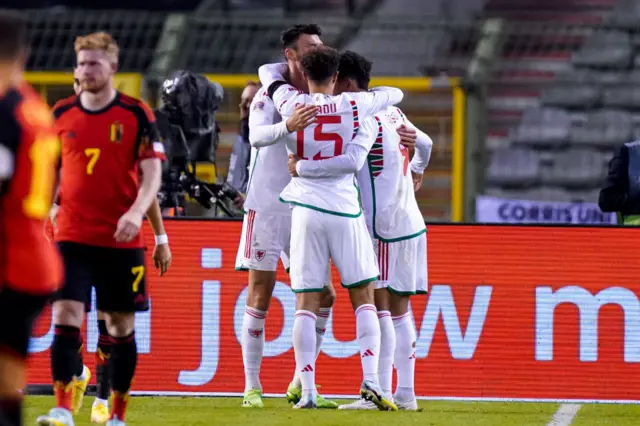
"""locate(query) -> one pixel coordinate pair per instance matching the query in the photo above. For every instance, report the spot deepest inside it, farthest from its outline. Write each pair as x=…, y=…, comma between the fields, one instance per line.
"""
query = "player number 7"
x=138, y=272
x=93, y=154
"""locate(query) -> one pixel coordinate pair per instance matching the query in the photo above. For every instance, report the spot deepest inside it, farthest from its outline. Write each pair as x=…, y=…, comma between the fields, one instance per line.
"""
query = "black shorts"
x=18, y=312
x=118, y=275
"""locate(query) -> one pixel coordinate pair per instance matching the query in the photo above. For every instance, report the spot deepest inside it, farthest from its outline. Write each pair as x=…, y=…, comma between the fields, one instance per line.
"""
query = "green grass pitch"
x=192, y=411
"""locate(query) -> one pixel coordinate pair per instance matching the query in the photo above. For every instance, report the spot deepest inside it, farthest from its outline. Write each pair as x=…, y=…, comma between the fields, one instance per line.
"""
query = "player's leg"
x=20, y=310
x=409, y=278
x=100, y=408
x=353, y=255
x=121, y=292
x=68, y=315
x=294, y=391
x=309, y=257
x=264, y=237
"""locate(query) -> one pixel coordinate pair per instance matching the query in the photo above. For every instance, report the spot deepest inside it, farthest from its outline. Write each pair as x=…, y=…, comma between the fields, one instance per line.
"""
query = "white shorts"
x=317, y=237
x=265, y=238
x=403, y=265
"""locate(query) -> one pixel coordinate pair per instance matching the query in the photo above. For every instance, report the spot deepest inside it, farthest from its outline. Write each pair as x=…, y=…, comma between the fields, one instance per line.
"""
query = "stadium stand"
x=562, y=98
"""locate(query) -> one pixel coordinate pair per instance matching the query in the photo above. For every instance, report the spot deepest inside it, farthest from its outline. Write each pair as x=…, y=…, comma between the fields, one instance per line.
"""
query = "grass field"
x=179, y=411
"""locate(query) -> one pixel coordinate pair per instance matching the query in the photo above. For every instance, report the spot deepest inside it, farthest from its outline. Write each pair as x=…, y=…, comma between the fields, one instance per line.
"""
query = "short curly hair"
x=320, y=64
x=357, y=67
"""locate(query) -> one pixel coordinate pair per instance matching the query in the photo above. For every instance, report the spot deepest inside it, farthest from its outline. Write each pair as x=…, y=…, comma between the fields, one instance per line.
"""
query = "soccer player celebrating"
x=267, y=225
x=327, y=221
x=108, y=141
x=30, y=269
x=387, y=184
x=162, y=260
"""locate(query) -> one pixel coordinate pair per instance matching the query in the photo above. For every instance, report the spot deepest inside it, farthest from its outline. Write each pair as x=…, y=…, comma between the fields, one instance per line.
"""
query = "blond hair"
x=98, y=41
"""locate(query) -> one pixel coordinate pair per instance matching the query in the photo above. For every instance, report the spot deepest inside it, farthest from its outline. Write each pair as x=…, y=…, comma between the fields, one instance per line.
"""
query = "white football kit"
x=327, y=221
x=266, y=229
x=392, y=213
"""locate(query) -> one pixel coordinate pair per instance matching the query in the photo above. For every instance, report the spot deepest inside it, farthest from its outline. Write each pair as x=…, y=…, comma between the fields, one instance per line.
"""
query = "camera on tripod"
x=186, y=121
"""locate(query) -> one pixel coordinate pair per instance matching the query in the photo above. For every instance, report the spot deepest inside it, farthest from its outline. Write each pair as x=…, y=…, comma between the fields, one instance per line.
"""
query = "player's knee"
x=328, y=297
x=68, y=312
x=120, y=324
x=261, y=284
x=381, y=297
x=361, y=295
x=398, y=304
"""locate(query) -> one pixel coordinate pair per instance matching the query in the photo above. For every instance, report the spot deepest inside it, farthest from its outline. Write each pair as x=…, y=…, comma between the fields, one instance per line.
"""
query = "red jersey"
x=101, y=152
x=29, y=154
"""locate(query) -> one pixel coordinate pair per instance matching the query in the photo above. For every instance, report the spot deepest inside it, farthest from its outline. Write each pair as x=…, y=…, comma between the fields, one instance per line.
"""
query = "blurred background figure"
x=238, y=175
x=621, y=191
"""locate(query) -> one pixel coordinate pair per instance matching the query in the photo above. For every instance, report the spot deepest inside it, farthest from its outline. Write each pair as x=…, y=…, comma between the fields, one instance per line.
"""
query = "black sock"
x=80, y=366
x=10, y=411
x=123, y=361
x=102, y=362
x=64, y=353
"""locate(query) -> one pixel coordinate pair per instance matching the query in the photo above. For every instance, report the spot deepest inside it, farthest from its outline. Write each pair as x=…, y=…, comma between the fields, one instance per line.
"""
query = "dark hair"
x=356, y=67
x=13, y=34
x=289, y=37
x=320, y=64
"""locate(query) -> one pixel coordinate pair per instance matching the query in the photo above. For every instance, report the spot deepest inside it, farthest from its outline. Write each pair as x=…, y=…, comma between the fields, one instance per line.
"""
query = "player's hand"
x=128, y=227
x=303, y=116
x=53, y=215
x=293, y=160
x=239, y=201
x=417, y=180
x=162, y=257
x=407, y=136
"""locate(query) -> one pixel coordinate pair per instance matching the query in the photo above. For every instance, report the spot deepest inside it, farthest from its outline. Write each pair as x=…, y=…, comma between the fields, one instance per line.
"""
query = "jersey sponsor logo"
x=258, y=105
x=260, y=255
x=116, y=131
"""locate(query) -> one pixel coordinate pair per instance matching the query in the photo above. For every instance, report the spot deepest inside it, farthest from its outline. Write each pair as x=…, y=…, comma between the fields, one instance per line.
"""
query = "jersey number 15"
x=319, y=135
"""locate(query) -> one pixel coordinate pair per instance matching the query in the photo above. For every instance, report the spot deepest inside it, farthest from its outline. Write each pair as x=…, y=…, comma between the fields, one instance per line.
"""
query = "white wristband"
x=162, y=239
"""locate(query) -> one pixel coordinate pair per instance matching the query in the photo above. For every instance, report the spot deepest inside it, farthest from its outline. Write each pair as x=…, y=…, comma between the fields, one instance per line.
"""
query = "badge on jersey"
x=260, y=255
x=258, y=105
x=116, y=131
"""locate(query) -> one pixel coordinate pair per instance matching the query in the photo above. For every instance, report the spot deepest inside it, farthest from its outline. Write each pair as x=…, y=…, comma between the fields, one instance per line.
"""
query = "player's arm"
x=150, y=157
x=161, y=252
x=377, y=99
x=285, y=97
x=350, y=162
x=263, y=133
x=424, y=145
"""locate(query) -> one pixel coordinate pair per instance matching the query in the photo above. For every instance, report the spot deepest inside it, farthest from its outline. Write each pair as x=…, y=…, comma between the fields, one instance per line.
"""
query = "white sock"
x=368, y=333
x=252, y=346
x=321, y=326
x=387, y=349
x=100, y=401
x=405, y=355
x=304, y=345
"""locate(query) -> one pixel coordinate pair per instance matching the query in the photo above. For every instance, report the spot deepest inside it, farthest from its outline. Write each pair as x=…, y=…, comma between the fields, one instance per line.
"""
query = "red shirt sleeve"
x=149, y=142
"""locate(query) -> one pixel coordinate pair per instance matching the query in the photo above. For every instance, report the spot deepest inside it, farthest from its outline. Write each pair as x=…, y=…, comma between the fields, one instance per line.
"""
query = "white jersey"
x=268, y=173
x=386, y=186
x=336, y=129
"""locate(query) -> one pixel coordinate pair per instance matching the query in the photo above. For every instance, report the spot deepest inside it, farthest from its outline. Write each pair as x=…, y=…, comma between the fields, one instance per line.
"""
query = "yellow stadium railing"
x=127, y=83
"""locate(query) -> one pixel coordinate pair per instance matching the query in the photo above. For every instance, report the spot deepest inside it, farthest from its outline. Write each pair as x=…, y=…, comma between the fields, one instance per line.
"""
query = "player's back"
x=336, y=125
x=101, y=151
x=387, y=191
x=27, y=260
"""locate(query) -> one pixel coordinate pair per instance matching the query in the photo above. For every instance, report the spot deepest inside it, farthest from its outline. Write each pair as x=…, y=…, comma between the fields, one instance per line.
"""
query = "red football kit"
x=101, y=152
x=29, y=154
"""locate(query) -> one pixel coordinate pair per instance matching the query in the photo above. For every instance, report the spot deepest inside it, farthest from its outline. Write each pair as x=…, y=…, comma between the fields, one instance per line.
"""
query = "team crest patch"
x=116, y=130
x=255, y=333
x=260, y=255
x=258, y=105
